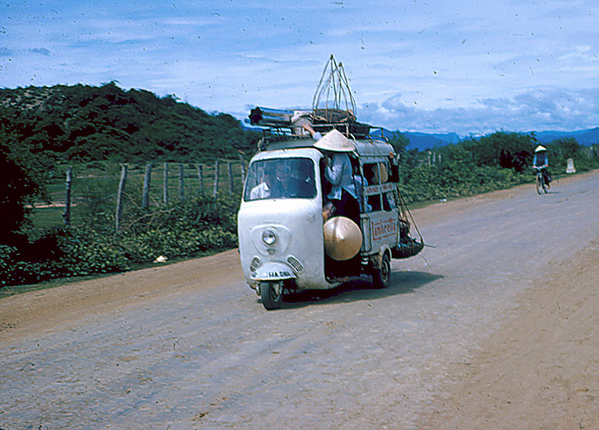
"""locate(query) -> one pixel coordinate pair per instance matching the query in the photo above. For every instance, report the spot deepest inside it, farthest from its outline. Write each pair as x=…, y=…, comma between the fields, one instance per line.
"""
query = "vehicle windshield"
x=280, y=178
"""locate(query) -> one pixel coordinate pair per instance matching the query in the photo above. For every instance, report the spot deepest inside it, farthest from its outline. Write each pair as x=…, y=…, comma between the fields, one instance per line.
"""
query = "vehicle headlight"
x=269, y=237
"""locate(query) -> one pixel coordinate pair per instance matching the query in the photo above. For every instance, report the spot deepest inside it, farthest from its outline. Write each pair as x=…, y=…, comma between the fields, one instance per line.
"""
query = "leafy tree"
x=399, y=141
x=506, y=150
x=561, y=149
x=17, y=190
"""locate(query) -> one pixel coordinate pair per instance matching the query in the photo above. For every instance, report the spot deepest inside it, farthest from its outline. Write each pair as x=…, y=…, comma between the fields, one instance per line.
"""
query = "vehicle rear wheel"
x=381, y=276
x=272, y=295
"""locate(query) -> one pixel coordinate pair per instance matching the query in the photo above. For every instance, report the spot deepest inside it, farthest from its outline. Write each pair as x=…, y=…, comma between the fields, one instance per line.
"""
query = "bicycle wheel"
x=540, y=184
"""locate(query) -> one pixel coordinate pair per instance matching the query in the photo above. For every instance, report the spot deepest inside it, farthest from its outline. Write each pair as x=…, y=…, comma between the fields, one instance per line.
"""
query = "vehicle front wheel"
x=381, y=276
x=272, y=295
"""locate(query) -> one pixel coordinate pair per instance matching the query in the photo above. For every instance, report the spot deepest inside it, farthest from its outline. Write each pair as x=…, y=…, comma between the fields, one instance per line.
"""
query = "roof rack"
x=283, y=138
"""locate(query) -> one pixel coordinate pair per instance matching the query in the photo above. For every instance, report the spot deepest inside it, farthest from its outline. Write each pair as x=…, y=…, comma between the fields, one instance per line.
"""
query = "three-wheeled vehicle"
x=287, y=243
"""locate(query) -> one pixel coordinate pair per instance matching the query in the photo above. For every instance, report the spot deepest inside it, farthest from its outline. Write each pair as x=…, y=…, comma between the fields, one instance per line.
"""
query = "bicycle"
x=541, y=184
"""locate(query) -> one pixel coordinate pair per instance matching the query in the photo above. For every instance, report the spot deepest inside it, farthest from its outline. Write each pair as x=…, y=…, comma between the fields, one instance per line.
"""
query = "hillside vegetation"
x=44, y=129
x=83, y=123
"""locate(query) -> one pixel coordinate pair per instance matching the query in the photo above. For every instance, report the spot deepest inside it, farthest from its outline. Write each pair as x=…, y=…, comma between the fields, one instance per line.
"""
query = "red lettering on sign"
x=383, y=228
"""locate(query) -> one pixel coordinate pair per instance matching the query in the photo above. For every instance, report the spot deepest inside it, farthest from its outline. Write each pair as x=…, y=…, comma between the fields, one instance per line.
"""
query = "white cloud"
x=466, y=67
x=556, y=109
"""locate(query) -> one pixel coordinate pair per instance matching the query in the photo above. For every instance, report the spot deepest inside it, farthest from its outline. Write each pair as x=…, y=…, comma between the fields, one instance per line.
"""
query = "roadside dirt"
x=539, y=371
x=24, y=314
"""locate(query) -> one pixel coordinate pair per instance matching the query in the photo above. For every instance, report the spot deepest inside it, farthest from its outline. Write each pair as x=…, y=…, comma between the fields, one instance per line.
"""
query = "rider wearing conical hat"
x=540, y=162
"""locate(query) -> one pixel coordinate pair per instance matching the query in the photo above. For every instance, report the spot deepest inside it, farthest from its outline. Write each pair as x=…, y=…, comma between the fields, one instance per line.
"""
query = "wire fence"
x=84, y=190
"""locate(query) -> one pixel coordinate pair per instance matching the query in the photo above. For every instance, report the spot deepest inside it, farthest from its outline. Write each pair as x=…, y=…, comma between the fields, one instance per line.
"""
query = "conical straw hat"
x=540, y=148
x=342, y=238
x=335, y=141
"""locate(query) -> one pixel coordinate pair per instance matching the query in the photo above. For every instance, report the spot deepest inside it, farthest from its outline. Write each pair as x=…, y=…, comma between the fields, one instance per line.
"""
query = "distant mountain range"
x=584, y=137
x=422, y=141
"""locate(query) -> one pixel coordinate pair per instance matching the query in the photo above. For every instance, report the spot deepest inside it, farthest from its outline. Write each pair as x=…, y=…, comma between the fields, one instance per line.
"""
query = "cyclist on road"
x=541, y=162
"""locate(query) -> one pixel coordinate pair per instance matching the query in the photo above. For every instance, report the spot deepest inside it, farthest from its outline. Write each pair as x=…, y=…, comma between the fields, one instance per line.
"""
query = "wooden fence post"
x=231, y=181
x=119, y=198
x=165, y=185
x=145, y=196
x=215, y=192
x=67, y=206
x=181, y=182
x=242, y=170
x=201, y=178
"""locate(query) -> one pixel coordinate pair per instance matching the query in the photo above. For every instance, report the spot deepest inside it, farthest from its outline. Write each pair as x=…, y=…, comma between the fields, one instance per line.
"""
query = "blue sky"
x=469, y=67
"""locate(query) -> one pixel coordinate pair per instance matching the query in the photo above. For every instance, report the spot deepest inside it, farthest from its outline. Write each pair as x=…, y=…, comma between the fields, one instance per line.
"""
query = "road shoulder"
x=541, y=369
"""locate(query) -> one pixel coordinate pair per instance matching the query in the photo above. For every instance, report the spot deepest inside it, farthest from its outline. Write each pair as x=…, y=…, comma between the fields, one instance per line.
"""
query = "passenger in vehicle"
x=360, y=183
x=338, y=172
x=389, y=202
x=264, y=189
x=371, y=176
x=315, y=135
x=282, y=185
x=296, y=184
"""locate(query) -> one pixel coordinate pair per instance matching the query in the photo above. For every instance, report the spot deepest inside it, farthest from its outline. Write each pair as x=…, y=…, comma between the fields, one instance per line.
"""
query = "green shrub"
x=186, y=229
x=87, y=252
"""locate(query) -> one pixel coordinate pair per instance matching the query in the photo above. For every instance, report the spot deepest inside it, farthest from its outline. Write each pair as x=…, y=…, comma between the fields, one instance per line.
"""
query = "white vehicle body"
x=281, y=239
x=297, y=222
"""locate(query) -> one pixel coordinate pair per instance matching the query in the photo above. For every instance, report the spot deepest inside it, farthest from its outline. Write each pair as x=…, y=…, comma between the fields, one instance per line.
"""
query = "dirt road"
x=495, y=328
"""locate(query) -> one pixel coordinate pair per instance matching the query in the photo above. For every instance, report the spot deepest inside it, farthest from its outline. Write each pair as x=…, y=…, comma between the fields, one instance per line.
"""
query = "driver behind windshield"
x=293, y=183
x=264, y=189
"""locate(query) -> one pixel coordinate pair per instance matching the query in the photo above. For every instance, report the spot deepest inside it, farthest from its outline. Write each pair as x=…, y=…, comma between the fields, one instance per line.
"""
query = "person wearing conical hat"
x=338, y=172
x=540, y=162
